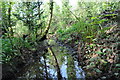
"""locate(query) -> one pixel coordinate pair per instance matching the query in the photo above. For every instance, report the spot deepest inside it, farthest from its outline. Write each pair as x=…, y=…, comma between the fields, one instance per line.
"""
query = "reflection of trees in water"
x=59, y=76
x=70, y=68
x=64, y=60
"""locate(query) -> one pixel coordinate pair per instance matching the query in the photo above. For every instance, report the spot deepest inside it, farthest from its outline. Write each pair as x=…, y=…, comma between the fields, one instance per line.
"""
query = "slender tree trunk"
x=72, y=13
x=39, y=16
x=51, y=14
x=9, y=18
x=28, y=17
x=9, y=25
x=45, y=67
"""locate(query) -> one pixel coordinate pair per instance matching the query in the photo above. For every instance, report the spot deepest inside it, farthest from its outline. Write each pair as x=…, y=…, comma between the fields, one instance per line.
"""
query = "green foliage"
x=90, y=23
x=6, y=45
x=7, y=50
x=84, y=24
x=10, y=48
x=117, y=65
x=97, y=70
x=20, y=29
x=99, y=52
x=82, y=28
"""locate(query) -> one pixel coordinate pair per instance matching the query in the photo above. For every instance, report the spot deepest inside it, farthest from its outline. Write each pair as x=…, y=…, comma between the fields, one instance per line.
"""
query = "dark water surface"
x=44, y=67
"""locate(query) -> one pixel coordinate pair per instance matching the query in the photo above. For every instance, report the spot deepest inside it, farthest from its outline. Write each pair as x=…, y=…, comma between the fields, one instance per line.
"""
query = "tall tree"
x=49, y=23
x=9, y=18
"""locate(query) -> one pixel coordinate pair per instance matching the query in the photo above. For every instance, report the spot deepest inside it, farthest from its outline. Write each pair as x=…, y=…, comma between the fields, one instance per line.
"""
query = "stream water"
x=45, y=67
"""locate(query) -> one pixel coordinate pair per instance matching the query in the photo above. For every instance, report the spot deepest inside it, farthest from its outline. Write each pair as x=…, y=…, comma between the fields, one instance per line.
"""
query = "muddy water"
x=44, y=67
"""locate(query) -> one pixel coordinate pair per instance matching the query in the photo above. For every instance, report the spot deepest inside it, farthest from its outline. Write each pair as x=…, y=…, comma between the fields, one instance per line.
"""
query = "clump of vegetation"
x=30, y=29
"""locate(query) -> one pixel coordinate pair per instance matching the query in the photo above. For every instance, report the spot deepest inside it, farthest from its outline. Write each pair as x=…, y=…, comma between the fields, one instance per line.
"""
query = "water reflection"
x=45, y=67
x=64, y=68
x=68, y=66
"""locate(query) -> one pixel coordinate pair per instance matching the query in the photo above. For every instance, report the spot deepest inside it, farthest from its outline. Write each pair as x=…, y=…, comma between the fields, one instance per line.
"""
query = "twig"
x=72, y=13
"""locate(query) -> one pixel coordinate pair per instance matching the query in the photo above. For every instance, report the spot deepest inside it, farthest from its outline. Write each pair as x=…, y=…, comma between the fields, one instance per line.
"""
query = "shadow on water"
x=47, y=68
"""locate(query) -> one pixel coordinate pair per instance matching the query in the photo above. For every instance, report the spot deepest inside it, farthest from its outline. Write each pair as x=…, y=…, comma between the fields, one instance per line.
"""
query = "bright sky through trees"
x=59, y=2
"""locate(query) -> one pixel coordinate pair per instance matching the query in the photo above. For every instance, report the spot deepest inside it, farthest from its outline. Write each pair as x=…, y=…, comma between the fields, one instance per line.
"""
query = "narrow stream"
x=45, y=67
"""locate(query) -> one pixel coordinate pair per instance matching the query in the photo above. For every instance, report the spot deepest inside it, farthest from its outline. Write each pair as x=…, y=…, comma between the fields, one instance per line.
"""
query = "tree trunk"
x=45, y=67
x=51, y=14
x=9, y=18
